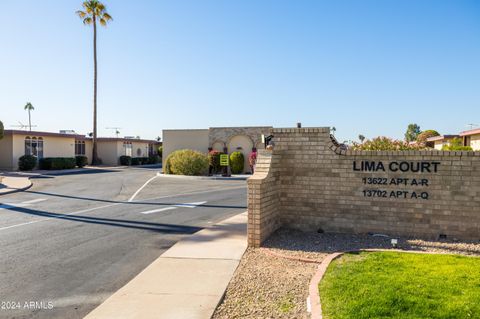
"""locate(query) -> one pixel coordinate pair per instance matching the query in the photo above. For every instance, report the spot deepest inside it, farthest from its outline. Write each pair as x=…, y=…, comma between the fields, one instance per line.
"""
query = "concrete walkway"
x=187, y=281
x=10, y=184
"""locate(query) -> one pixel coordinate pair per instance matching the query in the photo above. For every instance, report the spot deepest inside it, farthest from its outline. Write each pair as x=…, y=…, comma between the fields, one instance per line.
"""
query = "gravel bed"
x=270, y=287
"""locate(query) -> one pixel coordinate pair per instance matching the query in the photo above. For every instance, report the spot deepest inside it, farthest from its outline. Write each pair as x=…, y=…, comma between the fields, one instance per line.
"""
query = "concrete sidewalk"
x=10, y=184
x=187, y=281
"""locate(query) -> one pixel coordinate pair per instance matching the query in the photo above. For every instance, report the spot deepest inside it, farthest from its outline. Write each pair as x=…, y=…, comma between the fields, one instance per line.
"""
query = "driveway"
x=71, y=241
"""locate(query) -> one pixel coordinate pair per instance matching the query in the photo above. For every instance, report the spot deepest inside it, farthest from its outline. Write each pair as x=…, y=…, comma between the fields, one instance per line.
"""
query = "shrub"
x=136, y=161
x=252, y=160
x=214, y=161
x=456, y=144
x=237, y=161
x=50, y=163
x=383, y=143
x=186, y=162
x=1, y=130
x=154, y=159
x=81, y=161
x=422, y=138
x=160, y=151
x=27, y=162
x=125, y=160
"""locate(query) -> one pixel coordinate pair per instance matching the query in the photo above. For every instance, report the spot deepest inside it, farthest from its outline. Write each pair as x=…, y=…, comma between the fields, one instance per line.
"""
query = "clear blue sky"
x=368, y=67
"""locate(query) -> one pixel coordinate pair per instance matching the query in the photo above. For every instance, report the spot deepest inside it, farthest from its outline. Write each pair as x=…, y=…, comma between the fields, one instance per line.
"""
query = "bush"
x=456, y=144
x=81, y=161
x=186, y=162
x=50, y=163
x=214, y=161
x=237, y=162
x=154, y=159
x=125, y=160
x=383, y=143
x=139, y=160
x=1, y=130
x=160, y=151
x=252, y=160
x=27, y=162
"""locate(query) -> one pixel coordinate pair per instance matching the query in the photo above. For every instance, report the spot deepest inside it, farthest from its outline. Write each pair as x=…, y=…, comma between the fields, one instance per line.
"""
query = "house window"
x=34, y=146
x=79, y=147
x=127, y=148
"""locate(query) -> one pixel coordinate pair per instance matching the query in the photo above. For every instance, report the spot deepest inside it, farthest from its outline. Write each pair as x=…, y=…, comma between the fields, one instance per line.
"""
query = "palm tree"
x=93, y=11
x=29, y=107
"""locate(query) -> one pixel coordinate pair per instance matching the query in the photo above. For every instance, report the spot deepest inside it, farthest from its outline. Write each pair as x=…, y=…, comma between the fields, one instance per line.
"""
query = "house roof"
x=76, y=136
x=40, y=133
x=470, y=132
x=441, y=138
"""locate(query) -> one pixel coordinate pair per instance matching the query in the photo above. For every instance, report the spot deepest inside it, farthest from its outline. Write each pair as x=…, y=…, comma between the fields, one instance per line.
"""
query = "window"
x=79, y=147
x=127, y=148
x=34, y=146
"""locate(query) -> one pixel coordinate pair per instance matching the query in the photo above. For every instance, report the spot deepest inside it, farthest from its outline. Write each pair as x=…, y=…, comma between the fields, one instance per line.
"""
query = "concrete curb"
x=14, y=189
x=233, y=178
x=314, y=295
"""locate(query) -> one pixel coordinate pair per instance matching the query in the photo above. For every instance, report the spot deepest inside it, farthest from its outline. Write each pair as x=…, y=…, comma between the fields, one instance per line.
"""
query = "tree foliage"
x=456, y=144
x=412, y=132
x=1, y=130
x=422, y=137
x=383, y=143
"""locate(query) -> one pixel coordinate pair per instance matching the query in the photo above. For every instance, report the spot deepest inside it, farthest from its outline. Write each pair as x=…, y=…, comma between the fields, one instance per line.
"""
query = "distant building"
x=223, y=139
x=471, y=138
x=438, y=142
x=17, y=143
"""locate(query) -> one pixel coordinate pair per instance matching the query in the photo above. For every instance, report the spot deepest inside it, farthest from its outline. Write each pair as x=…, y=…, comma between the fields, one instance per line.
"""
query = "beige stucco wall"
x=109, y=151
x=6, y=147
x=184, y=139
x=475, y=142
x=53, y=146
x=438, y=145
x=143, y=146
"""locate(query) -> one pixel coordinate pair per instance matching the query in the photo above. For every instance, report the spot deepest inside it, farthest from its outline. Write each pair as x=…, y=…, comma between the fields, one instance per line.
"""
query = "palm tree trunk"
x=29, y=120
x=94, y=142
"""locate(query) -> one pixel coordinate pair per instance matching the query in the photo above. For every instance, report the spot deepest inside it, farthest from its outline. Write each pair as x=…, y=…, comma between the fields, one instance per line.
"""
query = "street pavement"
x=71, y=241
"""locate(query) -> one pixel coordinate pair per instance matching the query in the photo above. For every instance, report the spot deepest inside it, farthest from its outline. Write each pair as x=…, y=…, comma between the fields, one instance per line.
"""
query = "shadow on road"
x=130, y=203
x=156, y=227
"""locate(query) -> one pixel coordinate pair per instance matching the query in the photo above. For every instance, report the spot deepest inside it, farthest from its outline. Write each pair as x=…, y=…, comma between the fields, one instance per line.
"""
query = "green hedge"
x=237, y=162
x=81, y=161
x=186, y=162
x=139, y=160
x=50, y=163
x=125, y=160
x=154, y=159
x=27, y=162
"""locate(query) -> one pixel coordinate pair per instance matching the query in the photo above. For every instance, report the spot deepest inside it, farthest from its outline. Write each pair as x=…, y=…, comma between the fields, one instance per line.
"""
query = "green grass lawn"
x=401, y=285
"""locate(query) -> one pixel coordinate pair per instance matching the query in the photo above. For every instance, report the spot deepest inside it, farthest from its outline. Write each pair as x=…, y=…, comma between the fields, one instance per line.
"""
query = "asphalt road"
x=71, y=241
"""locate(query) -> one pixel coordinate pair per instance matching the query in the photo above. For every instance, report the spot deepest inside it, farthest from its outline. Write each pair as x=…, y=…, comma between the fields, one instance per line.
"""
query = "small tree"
x=456, y=144
x=422, y=137
x=412, y=132
x=1, y=130
x=361, y=138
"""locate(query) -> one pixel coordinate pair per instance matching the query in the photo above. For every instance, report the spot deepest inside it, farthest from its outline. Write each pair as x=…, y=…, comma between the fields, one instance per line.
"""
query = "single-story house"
x=440, y=141
x=471, y=138
x=223, y=139
x=17, y=143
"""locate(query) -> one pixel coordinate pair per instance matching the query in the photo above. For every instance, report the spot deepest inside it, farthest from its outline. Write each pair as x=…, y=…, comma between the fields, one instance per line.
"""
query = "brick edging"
x=314, y=294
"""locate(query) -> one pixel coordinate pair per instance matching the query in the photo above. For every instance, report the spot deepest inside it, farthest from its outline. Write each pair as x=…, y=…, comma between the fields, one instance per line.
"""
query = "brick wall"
x=310, y=183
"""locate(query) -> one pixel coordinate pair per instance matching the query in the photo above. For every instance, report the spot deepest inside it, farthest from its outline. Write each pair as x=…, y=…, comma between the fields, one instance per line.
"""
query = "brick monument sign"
x=309, y=183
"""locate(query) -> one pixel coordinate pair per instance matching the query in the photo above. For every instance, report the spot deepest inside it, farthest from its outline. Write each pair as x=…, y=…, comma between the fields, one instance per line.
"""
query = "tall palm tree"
x=29, y=107
x=93, y=11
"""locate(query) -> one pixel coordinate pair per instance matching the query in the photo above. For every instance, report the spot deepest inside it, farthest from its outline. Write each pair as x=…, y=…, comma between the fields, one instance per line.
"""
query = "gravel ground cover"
x=271, y=287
